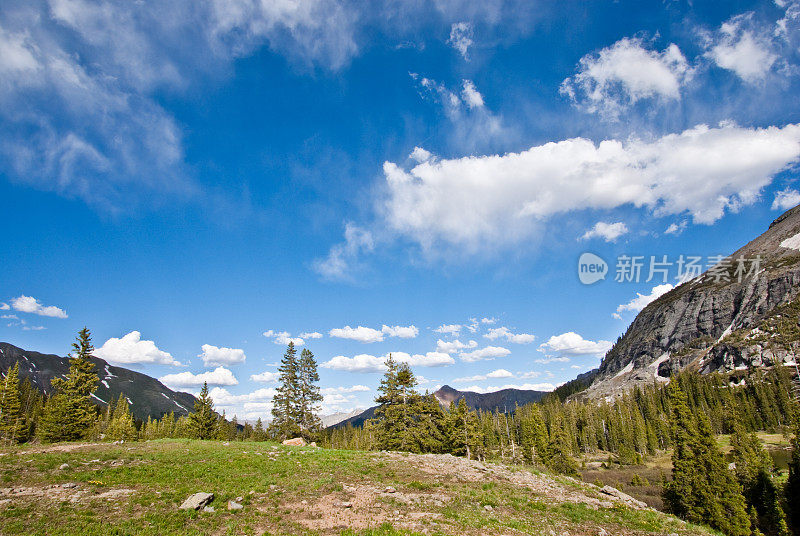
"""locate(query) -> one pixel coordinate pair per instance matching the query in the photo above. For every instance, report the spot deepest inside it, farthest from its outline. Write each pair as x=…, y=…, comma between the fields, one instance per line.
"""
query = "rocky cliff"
x=717, y=321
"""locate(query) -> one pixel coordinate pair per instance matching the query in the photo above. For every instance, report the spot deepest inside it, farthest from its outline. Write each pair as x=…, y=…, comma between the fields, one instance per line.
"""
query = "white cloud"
x=676, y=228
x=624, y=73
x=572, y=344
x=786, y=199
x=342, y=389
x=283, y=338
x=642, y=300
x=403, y=332
x=213, y=356
x=222, y=397
x=477, y=204
x=360, y=334
x=449, y=329
x=461, y=38
x=342, y=259
x=738, y=48
x=218, y=376
x=448, y=347
x=471, y=96
x=489, y=352
x=504, y=332
x=548, y=360
x=132, y=349
x=371, y=363
x=420, y=155
x=495, y=374
x=485, y=320
x=547, y=387
x=4, y=306
x=311, y=335
x=33, y=328
x=607, y=231
x=265, y=377
x=29, y=304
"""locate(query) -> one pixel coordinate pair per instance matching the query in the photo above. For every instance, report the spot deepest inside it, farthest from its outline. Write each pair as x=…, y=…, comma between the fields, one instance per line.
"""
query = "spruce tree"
x=285, y=403
x=792, y=489
x=309, y=395
x=69, y=414
x=202, y=423
x=12, y=423
x=121, y=425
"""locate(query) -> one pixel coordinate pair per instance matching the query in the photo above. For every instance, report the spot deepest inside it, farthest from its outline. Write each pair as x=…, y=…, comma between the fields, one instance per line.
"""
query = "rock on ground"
x=197, y=501
x=295, y=442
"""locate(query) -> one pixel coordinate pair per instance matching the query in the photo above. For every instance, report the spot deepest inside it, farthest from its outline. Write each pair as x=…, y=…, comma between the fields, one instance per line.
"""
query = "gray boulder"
x=197, y=501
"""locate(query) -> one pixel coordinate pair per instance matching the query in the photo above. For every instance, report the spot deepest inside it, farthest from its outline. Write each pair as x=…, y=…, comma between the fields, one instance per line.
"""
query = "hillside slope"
x=147, y=396
x=714, y=325
x=136, y=488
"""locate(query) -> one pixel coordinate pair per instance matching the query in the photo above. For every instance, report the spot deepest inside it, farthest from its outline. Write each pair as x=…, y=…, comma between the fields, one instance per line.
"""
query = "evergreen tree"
x=12, y=423
x=792, y=489
x=464, y=436
x=69, y=413
x=202, y=424
x=309, y=395
x=258, y=432
x=702, y=489
x=285, y=403
x=121, y=425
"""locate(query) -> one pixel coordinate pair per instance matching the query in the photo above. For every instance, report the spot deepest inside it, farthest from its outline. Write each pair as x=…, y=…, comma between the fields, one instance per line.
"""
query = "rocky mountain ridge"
x=715, y=322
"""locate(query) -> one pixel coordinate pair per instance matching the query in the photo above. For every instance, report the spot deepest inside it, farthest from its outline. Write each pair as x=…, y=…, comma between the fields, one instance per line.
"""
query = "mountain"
x=336, y=418
x=147, y=396
x=505, y=400
x=711, y=325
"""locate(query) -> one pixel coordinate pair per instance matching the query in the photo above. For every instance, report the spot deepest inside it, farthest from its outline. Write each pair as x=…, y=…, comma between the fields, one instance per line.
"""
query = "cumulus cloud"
x=371, y=363
x=642, y=300
x=489, y=352
x=449, y=329
x=786, y=199
x=504, y=332
x=480, y=203
x=265, y=377
x=607, y=231
x=572, y=344
x=360, y=334
x=676, y=228
x=131, y=349
x=29, y=304
x=213, y=356
x=403, y=332
x=4, y=306
x=624, y=73
x=738, y=47
x=448, y=347
x=311, y=335
x=461, y=38
x=495, y=374
x=218, y=376
x=420, y=155
x=343, y=389
x=283, y=338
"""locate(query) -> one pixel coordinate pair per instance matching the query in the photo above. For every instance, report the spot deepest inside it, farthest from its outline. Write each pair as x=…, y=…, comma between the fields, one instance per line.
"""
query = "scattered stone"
x=208, y=509
x=5, y=502
x=197, y=501
x=488, y=507
x=239, y=499
x=313, y=444
x=273, y=487
x=602, y=532
x=389, y=489
x=624, y=497
x=304, y=501
x=233, y=505
x=342, y=504
x=295, y=442
x=64, y=466
x=69, y=485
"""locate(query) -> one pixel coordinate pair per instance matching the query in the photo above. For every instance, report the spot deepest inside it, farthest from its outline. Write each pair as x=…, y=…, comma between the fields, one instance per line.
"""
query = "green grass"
x=280, y=489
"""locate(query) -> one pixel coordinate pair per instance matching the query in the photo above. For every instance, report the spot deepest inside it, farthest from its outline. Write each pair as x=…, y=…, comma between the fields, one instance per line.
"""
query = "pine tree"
x=309, y=395
x=285, y=403
x=792, y=489
x=258, y=432
x=702, y=489
x=121, y=425
x=12, y=423
x=202, y=422
x=464, y=436
x=69, y=413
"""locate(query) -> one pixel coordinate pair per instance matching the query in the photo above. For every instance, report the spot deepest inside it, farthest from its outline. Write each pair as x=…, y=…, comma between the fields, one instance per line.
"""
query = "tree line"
x=69, y=414
x=684, y=416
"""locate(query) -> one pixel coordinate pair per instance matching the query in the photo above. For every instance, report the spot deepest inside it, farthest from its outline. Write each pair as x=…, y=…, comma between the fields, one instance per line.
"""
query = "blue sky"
x=201, y=182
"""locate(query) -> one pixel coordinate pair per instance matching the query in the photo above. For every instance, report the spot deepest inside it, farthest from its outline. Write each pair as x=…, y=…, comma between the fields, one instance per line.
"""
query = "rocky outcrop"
x=714, y=324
